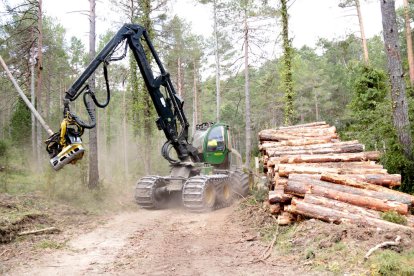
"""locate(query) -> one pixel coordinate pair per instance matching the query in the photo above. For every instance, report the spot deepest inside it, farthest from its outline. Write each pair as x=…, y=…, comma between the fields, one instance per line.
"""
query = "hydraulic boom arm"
x=169, y=107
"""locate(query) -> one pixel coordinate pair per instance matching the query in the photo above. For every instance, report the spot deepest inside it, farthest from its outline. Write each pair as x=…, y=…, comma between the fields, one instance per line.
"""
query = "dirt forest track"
x=163, y=242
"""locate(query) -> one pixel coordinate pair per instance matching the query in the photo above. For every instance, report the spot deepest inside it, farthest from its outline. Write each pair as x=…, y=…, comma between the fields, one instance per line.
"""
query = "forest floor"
x=239, y=240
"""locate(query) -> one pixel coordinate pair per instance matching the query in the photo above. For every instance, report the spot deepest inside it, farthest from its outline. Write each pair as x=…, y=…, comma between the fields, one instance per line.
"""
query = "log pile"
x=312, y=173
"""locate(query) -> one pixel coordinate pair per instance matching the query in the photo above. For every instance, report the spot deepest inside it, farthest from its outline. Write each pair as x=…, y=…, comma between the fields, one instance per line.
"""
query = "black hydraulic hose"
x=95, y=100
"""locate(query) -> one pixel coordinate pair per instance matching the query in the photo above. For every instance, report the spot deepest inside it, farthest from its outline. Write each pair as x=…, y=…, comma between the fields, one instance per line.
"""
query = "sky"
x=309, y=19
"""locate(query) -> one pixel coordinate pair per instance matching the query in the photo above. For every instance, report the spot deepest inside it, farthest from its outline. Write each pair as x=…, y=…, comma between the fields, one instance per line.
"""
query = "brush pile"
x=312, y=173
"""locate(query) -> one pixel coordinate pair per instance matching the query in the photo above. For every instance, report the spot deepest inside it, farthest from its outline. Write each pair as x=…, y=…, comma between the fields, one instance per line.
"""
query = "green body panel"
x=216, y=154
x=213, y=142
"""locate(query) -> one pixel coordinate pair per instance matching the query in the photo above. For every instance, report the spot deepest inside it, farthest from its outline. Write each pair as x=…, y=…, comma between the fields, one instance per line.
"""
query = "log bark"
x=284, y=137
x=314, y=124
x=335, y=216
x=338, y=179
x=279, y=196
x=275, y=208
x=281, y=181
x=39, y=231
x=385, y=195
x=321, y=158
x=300, y=189
x=314, y=131
x=389, y=180
x=287, y=169
x=340, y=206
x=329, y=148
x=295, y=142
x=285, y=218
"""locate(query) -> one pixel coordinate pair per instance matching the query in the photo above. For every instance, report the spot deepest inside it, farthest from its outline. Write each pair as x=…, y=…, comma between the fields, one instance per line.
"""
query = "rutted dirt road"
x=165, y=242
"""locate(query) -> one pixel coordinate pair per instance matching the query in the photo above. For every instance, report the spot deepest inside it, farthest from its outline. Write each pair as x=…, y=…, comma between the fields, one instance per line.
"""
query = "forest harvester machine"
x=207, y=171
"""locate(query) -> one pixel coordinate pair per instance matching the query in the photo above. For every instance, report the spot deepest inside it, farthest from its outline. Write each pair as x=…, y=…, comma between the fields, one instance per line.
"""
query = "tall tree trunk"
x=179, y=78
x=195, y=98
x=93, y=133
x=361, y=27
x=39, y=81
x=33, y=101
x=247, y=89
x=217, y=61
x=399, y=99
x=409, y=41
x=125, y=136
x=148, y=105
x=287, y=70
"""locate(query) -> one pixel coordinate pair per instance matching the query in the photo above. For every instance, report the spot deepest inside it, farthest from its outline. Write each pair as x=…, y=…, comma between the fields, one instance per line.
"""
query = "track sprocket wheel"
x=146, y=194
x=200, y=193
x=240, y=182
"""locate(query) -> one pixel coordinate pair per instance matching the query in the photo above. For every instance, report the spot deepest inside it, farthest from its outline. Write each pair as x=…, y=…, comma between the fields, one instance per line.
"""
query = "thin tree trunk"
x=316, y=104
x=148, y=105
x=217, y=62
x=195, y=99
x=33, y=101
x=287, y=70
x=361, y=27
x=93, y=133
x=247, y=89
x=179, y=78
x=125, y=133
x=39, y=81
x=399, y=99
x=409, y=41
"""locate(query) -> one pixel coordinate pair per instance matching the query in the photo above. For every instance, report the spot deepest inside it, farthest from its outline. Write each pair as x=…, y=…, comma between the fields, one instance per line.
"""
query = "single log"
x=339, y=165
x=299, y=188
x=287, y=169
x=335, y=216
x=340, y=206
x=275, y=209
x=330, y=148
x=283, y=137
x=285, y=218
x=39, y=231
x=314, y=131
x=321, y=158
x=314, y=124
x=339, y=179
x=315, y=146
x=389, y=180
x=281, y=181
x=296, y=142
x=385, y=194
x=279, y=196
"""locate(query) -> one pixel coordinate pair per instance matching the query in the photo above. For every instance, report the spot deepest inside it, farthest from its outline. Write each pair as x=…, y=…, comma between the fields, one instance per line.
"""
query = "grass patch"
x=389, y=262
x=49, y=244
x=393, y=216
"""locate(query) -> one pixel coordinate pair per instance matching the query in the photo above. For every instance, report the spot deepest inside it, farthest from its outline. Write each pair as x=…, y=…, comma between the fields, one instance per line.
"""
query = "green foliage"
x=369, y=89
x=393, y=216
x=20, y=124
x=389, y=263
x=50, y=244
x=4, y=147
x=369, y=120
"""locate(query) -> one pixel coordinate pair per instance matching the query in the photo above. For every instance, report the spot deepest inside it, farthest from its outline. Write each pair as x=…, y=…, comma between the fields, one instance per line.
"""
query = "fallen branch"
x=384, y=244
x=38, y=231
x=2, y=253
x=268, y=251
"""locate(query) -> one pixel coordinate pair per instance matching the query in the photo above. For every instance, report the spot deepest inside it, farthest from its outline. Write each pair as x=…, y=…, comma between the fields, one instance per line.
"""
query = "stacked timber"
x=312, y=173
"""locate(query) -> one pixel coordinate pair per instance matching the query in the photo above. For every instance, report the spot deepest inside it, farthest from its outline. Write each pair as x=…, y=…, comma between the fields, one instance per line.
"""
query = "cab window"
x=216, y=139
